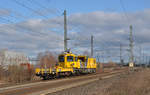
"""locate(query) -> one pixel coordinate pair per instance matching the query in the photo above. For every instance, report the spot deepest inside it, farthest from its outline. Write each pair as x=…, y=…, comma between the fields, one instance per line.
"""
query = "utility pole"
x=140, y=56
x=65, y=31
x=103, y=56
x=98, y=57
x=131, y=48
x=146, y=60
x=121, y=61
x=92, y=46
x=143, y=56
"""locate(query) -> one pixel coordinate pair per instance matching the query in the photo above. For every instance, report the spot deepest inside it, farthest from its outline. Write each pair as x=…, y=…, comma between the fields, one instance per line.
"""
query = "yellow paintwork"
x=42, y=70
x=37, y=70
x=91, y=63
x=66, y=64
x=79, y=62
x=87, y=62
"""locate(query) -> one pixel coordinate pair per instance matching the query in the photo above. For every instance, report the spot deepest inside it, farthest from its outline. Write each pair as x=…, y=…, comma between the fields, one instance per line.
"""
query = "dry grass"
x=1, y=72
x=137, y=83
x=100, y=68
x=134, y=84
x=16, y=74
x=20, y=73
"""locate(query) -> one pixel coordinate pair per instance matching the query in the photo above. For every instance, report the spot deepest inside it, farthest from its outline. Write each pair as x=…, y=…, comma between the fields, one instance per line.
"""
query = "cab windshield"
x=70, y=58
x=61, y=58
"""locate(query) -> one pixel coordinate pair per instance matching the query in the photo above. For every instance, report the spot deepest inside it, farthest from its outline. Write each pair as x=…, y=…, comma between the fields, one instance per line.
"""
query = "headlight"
x=53, y=72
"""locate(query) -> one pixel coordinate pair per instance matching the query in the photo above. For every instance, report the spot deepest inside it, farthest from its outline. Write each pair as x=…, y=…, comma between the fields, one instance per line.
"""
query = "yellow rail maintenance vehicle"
x=68, y=64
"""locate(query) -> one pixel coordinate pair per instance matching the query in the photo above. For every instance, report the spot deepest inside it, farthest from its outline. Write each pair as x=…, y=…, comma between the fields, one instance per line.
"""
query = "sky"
x=34, y=26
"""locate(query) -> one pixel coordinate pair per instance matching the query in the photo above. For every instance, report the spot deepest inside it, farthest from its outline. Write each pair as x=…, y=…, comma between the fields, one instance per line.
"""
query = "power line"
x=42, y=6
x=38, y=4
x=13, y=22
x=13, y=16
x=23, y=5
x=124, y=10
x=6, y=19
x=18, y=26
x=19, y=14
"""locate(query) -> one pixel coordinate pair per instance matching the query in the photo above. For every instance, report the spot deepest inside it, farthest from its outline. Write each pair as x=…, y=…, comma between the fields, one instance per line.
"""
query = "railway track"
x=45, y=87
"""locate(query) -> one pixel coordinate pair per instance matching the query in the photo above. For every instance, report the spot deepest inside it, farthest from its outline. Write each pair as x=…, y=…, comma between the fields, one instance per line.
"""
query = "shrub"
x=17, y=74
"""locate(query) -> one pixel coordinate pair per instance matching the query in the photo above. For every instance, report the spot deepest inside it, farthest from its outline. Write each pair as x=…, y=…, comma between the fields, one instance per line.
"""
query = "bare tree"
x=46, y=59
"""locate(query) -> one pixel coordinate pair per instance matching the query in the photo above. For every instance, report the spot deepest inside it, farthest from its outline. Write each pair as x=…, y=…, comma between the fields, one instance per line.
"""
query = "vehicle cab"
x=68, y=60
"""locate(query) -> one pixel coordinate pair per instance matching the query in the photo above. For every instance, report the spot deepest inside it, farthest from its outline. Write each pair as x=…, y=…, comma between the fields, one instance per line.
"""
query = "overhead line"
x=23, y=5
x=38, y=4
x=17, y=25
x=124, y=10
x=6, y=19
x=19, y=14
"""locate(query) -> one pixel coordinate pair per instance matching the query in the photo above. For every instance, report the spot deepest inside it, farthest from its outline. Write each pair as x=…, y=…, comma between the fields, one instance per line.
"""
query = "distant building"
x=33, y=60
x=12, y=58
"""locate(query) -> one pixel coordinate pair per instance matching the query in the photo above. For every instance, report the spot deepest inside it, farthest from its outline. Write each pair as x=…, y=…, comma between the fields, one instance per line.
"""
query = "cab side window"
x=76, y=59
x=70, y=58
x=61, y=59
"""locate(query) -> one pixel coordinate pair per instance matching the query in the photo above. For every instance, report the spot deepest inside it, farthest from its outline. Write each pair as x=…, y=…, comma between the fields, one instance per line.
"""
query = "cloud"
x=109, y=30
x=5, y=12
x=29, y=36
